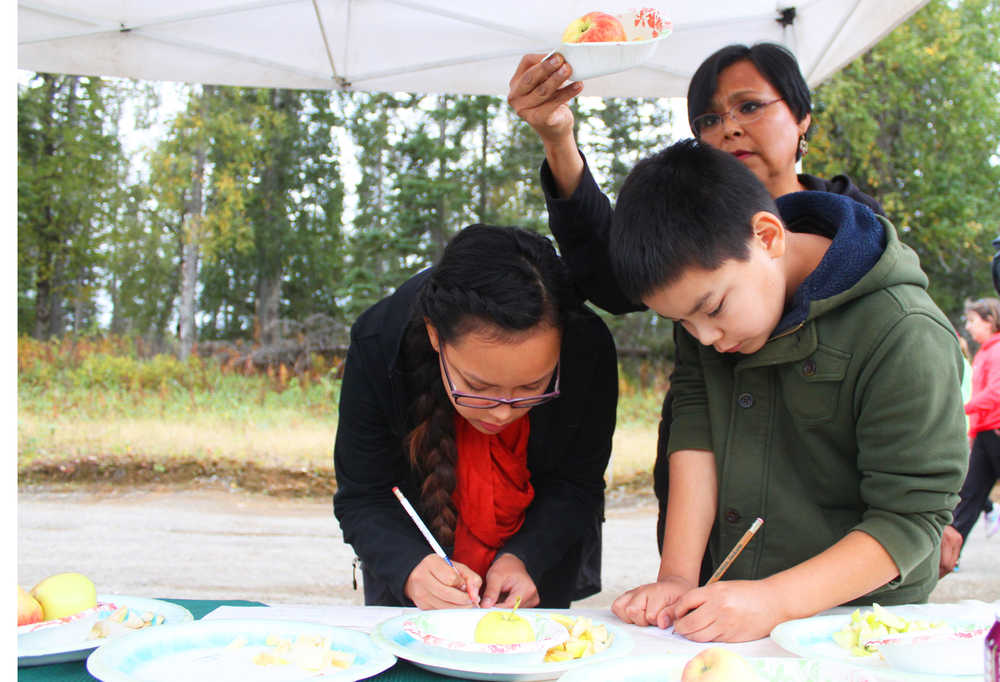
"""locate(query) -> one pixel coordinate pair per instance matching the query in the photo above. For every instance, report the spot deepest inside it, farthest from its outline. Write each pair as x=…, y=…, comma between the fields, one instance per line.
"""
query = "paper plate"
x=949, y=653
x=644, y=29
x=223, y=650
x=393, y=638
x=453, y=631
x=66, y=640
x=668, y=668
x=813, y=638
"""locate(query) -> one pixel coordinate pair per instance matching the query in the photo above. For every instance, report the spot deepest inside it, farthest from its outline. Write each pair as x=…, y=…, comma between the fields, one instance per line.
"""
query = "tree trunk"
x=191, y=235
x=46, y=296
x=268, y=299
x=439, y=227
x=483, y=165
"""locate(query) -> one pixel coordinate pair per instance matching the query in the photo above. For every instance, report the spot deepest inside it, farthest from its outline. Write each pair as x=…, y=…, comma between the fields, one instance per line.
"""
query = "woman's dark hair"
x=774, y=62
x=501, y=281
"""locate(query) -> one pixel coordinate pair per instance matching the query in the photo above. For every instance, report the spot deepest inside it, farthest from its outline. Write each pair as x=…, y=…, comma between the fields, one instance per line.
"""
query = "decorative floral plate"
x=392, y=636
x=67, y=639
x=644, y=29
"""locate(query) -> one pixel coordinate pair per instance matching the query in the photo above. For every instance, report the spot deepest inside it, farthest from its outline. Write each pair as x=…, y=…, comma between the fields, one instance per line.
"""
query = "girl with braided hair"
x=486, y=392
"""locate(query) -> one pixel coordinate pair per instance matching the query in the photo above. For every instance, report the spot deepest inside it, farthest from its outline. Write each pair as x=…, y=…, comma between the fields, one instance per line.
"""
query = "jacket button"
x=745, y=400
x=809, y=367
x=732, y=516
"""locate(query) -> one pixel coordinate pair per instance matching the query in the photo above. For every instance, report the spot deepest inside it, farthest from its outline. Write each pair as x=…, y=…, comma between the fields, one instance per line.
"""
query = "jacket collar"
x=858, y=242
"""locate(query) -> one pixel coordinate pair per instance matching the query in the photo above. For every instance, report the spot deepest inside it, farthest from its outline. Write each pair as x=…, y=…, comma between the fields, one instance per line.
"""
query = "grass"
x=97, y=399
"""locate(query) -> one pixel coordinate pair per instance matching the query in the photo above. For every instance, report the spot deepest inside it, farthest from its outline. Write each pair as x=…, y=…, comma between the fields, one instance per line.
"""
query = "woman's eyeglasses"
x=485, y=403
x=742, y=113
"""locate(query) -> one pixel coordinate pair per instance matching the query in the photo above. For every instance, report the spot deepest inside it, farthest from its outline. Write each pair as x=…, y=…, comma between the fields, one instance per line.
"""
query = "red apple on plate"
x=28, y=609
x=595, y=27
x=717, y=664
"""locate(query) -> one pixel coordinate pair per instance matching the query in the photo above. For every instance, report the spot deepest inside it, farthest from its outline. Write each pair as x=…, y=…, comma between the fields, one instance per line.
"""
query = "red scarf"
x=492, y=490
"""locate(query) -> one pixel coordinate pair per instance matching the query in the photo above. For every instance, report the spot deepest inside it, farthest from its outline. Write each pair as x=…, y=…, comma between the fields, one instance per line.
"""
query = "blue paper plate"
x=203, y=650
x=68, y=641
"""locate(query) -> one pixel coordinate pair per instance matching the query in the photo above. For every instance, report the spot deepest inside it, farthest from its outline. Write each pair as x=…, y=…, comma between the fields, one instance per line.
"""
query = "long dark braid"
x=504, y=280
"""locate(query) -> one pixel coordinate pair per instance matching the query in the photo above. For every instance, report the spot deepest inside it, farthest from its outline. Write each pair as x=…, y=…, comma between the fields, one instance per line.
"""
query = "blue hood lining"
x=858, y=243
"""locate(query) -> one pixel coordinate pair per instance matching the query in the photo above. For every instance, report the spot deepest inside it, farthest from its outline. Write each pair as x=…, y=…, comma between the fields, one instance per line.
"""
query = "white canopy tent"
x=431, y=46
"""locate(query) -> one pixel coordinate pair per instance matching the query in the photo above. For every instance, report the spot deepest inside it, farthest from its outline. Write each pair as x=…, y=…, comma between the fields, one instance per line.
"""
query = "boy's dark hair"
x=774, y=62
x=689, y=205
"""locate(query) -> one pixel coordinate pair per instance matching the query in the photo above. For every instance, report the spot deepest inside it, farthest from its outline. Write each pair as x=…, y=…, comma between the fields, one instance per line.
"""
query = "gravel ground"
x=198, y=543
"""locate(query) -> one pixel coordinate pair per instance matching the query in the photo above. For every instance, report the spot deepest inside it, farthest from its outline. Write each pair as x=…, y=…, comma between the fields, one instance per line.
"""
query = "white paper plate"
x=68, y=641
x=453, y=630
x=199, y=651
x=391, y=636
x=590, y=60
x=668, y=668
x=813, y=638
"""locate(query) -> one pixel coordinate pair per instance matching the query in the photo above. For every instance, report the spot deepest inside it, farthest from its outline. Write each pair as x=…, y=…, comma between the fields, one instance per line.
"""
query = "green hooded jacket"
x=849, y=419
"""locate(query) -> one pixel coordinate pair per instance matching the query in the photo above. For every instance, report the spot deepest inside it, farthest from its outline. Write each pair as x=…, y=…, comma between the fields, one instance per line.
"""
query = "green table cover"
x=76, y=671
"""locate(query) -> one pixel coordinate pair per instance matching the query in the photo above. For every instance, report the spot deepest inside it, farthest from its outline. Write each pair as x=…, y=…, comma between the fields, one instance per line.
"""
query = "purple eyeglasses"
x=485, y=403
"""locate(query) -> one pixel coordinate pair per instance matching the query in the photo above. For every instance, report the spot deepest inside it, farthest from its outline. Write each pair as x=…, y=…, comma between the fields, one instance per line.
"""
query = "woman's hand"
x=649, y=604
x=433, y=584
x=537, y=95
x=729, y=611
x=506, y=581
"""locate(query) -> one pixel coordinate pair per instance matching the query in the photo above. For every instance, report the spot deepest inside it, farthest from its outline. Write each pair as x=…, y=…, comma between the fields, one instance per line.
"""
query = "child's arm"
x=743, y=610
x=691, y=507
x=691, y=503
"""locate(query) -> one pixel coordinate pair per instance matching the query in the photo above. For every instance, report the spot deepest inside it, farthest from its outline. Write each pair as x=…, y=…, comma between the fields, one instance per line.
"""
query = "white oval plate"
x=454, y=630
x=391, y=636
x=58, y=643
x=668, y=668
x=200, y=651
x=813, y=638
x=590, y=60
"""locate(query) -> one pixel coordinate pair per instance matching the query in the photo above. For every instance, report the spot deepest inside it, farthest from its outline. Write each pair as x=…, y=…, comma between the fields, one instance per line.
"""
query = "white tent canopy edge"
x=430, y=46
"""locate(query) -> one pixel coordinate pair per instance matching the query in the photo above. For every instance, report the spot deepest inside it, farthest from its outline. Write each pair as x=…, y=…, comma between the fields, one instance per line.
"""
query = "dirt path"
x=213, y=543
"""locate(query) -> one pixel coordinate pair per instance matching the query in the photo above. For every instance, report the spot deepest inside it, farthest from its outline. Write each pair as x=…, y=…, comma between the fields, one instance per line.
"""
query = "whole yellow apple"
x=594, y=27
x=503, y=627
x=28, y=609
x=64, y=594
x=717, y=664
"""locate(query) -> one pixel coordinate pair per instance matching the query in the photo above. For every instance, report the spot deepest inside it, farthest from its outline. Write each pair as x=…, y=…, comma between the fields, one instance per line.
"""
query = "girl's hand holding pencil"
x=432, y=586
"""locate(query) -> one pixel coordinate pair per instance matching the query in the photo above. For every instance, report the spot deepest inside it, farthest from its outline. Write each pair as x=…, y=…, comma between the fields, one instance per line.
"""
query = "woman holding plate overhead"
x=486, y=392
x=750, y=101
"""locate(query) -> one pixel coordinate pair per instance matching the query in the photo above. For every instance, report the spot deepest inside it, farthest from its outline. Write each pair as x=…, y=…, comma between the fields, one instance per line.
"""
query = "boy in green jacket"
x=816, y=386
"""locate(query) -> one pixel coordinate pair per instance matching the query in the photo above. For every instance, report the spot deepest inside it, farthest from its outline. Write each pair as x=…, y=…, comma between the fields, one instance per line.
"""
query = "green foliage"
x=70, y=166
x=107, y=376
x=915, y=123
x=289, y=203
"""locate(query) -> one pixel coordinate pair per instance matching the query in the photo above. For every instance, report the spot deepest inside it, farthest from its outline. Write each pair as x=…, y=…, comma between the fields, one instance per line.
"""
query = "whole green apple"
x=503, y=627
x=64, y=594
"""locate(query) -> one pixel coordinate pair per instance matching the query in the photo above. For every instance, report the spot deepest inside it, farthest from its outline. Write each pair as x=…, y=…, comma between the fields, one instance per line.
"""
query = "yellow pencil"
x=736, y=550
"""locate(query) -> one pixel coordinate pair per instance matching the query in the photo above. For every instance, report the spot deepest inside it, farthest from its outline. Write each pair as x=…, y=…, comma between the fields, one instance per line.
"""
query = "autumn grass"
x=103, y=401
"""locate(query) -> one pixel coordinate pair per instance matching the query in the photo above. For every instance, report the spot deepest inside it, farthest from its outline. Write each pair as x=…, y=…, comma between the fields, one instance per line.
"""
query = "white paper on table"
x=355, y=617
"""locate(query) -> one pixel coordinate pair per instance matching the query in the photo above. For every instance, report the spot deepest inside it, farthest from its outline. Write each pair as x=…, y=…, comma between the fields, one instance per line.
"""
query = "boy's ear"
x=432, y=335
x=769, y=232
